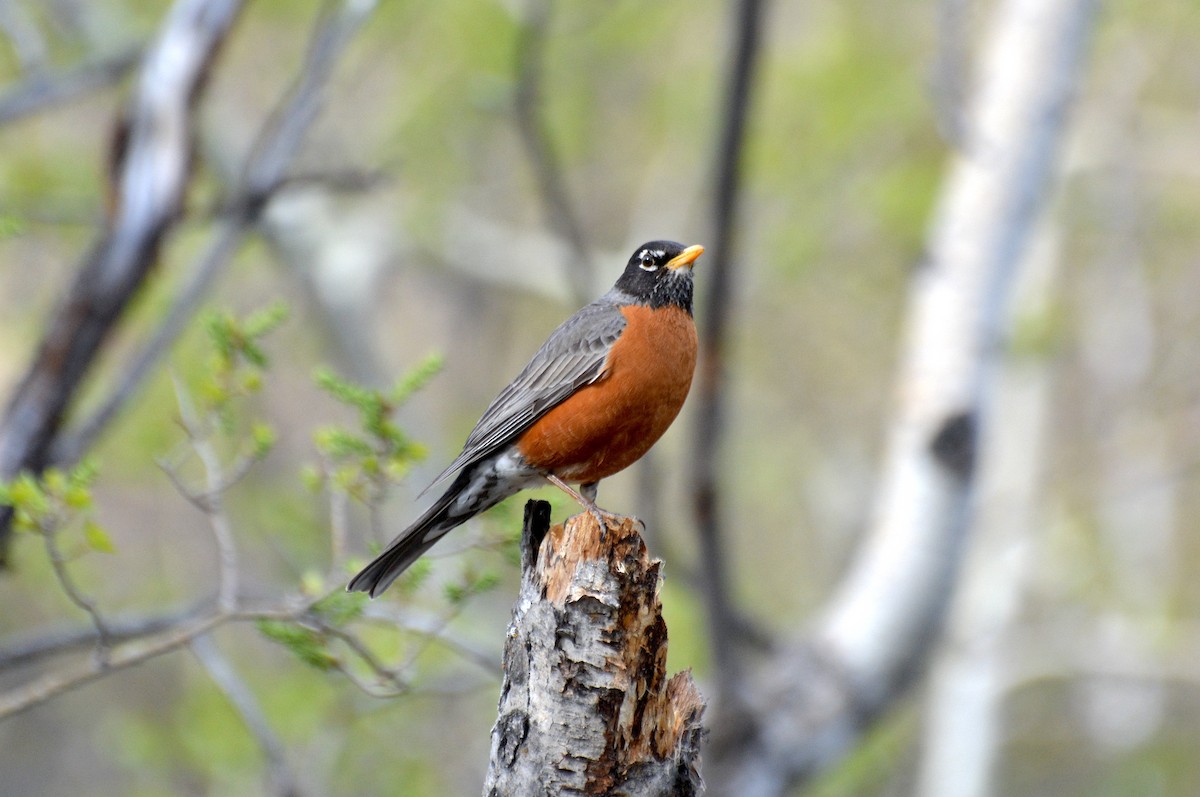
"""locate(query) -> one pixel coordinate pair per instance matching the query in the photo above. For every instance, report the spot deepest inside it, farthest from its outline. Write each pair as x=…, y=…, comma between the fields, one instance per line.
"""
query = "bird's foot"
x=586, y=498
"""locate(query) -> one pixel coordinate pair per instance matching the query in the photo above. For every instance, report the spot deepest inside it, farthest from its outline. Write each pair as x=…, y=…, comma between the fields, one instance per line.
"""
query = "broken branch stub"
x=586, y=706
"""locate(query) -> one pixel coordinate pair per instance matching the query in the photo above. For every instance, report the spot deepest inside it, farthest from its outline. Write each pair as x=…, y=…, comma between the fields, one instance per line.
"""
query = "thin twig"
x=53, y=684
x=283, y=780
x=709, y=403
x=263, y=173
x=43, y=90
x=149, y=183
x=50, y=685
x=213, y=504
x=141, y=639
x=285, y=130
x=49, y=533
x=434, y=629
x=120, y=629
x=539, y=146
x=381, y=670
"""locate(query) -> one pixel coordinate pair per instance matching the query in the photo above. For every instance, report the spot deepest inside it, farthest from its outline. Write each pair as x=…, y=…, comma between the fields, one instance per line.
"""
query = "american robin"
x=598, y=393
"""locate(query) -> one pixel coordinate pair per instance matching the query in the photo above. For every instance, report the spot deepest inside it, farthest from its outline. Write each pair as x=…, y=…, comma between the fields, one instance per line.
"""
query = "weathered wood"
x=586, y=707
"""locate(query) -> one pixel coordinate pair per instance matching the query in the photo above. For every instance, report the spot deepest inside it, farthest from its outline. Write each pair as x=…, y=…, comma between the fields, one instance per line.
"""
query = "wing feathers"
x=573, y=356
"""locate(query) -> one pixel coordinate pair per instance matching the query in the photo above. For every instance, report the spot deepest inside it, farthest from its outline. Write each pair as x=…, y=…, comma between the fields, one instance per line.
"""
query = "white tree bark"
x=586, y=707
x=150, y=179
x=963, y=706
x=882, y=621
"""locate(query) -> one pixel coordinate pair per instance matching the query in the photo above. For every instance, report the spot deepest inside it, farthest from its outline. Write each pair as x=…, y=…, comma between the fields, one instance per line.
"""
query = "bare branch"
x=49, y=532
x=146, y=646
x=547, y=170
x=263, y=173
x=435, y=630
x=150, y=183
x=381, y=671
x=282, y=780
x=817, y=696
x=43, y=90
x=716, y=311
x=120, y=629
x=139, y=639
x=26, y=696
x=213, y=504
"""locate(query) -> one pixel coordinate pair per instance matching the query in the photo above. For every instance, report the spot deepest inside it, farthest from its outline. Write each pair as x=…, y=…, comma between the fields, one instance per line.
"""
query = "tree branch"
x=150, y=182
x=58, y=562
x=120, y=629
x=716, y=311
x=281, y=779
x=263, y=173
x=547, y=170
x=213, y=504
x=815, y=699
x=43, y=89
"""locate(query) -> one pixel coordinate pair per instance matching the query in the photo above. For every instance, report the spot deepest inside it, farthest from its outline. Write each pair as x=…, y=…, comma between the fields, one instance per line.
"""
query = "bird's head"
x=660, y=273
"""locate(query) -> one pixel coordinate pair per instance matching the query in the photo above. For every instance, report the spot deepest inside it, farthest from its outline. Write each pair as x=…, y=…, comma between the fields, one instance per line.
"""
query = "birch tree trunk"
x=813, y=700
x=586, y=706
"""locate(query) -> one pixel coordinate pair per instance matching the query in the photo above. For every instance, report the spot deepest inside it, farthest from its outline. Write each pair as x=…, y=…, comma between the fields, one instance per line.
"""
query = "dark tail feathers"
x=411, y=543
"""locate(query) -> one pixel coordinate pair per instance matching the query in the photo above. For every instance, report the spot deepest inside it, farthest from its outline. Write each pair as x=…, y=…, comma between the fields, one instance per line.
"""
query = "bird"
x=600, y=391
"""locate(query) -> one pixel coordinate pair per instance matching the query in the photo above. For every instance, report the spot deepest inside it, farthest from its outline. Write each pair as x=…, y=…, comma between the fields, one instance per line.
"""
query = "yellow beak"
x=686, y=257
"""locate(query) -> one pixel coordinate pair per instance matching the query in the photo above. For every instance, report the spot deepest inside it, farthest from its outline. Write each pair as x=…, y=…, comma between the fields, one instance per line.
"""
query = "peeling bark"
x=586, y=706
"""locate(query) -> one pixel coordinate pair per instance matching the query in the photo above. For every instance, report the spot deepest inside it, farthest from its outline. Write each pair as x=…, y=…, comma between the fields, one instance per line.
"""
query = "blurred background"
x=421, y=219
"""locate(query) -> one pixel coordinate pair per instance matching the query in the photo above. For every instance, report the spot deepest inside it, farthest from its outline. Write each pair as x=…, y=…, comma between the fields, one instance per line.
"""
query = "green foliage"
x=363, y=461
x=310, y=646
x=471, y=584
x=340, y=608
x=58, y=500
x=238, y=362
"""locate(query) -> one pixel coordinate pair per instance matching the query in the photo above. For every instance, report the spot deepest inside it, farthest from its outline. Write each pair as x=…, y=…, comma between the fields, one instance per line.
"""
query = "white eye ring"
x=646, y=260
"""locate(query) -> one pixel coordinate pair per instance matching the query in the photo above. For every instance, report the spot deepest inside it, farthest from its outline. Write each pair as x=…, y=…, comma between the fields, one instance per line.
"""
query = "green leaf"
x=77, y=498
x=341, y=607
x=417, y=377
x=306, y=644
x=260, y=322
x=263, y=437
x=416, y=575
x=25, y=494
x=97, y=538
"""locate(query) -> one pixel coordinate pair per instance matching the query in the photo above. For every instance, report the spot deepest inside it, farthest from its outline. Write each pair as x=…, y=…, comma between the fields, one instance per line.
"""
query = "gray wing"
x=573, y=356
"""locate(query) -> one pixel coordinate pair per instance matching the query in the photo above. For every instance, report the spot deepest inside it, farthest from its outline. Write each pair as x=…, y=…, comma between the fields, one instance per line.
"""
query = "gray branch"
x=149, y=184
x=814, y=700
x=282, y=780
x=547, y=168
x=44, y=89
x=716, y=311
x=264, y=172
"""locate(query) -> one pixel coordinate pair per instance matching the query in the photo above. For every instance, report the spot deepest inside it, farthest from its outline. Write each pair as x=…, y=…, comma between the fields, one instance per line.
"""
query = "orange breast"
x=607, y=426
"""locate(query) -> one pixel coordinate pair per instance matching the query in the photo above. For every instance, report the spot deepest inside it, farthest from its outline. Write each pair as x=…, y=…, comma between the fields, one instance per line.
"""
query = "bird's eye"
x=647, y=262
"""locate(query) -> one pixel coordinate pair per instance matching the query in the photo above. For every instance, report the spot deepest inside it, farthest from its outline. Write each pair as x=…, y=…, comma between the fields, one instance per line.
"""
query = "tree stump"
x=586, y=707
